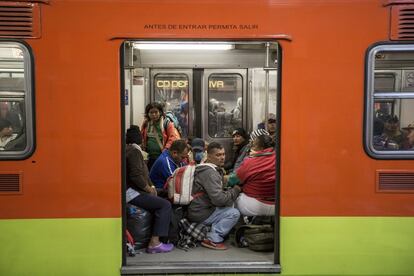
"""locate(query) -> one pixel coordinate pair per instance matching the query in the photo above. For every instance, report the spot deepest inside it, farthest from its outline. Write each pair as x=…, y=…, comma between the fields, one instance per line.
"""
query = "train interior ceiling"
x=212, y=88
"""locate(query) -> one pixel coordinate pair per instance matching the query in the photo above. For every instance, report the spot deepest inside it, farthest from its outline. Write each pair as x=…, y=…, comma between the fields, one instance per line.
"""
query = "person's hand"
x=238, y=187
x=153, y=191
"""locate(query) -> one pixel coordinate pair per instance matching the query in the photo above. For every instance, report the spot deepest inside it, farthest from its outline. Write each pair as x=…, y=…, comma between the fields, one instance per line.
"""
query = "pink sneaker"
x=161, y=248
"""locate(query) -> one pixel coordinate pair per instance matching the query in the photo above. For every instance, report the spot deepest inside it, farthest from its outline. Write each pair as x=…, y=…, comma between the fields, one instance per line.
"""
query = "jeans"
x=161, y=210
x=221, y=221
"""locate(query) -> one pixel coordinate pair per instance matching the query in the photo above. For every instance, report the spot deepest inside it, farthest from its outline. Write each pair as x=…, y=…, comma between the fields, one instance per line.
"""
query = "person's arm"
x=212, y=185
x=136, y=167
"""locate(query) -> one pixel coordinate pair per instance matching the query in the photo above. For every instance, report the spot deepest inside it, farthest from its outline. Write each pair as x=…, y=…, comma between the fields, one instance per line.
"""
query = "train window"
x=172, y=89
x=16, y=126
x=225, y=104
x=390, y=102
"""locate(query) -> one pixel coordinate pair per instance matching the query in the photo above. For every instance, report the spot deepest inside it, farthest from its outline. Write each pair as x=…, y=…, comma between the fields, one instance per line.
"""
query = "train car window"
x=173, y=90
x=16, y=126
x=390, y=102
x=225, y=104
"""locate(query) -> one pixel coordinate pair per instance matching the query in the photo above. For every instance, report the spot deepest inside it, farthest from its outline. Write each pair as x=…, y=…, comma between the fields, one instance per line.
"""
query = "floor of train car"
x=201, y=254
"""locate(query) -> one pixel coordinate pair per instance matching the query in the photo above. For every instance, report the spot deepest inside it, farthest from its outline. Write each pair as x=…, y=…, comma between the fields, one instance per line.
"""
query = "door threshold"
x=200, y=267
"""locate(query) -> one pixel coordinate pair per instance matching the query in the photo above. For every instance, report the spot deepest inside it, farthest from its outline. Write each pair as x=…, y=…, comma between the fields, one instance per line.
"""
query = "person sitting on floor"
x=168, y=162
x=213, y=205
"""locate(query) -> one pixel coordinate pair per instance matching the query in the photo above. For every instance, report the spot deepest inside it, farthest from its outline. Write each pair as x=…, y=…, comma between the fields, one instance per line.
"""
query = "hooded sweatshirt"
x=208, y=181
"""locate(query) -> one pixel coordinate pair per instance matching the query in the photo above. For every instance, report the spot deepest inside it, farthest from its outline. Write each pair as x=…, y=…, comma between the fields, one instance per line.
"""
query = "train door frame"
x=276, y=266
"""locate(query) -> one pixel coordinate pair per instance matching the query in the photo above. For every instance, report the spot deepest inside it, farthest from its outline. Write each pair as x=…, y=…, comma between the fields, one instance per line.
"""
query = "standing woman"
x=157, y=135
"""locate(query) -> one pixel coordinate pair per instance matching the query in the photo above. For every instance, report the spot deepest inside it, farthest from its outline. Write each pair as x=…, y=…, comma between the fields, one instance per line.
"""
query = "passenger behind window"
x=12, y=113
x=6, y=133
x=156, y=135
x=212, y=117
x=391, y=137
x=142, y=193
x=167, y=162
x=257, y=176
x=408, y=142
x=213, y=206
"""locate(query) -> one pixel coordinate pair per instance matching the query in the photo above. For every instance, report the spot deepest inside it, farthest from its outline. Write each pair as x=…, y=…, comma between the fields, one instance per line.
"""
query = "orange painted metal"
x=76, y=168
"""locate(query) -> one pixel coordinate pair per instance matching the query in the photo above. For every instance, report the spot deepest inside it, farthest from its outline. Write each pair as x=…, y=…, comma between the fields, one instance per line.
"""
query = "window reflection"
x=13, y=98
x=225, y=104
x=173, y=91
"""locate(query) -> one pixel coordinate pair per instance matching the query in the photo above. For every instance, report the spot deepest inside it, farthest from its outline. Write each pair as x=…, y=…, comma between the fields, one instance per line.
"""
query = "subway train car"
x=337, y=76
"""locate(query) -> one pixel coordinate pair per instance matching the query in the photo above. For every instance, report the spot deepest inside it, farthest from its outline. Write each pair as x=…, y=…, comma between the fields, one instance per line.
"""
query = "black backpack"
x=255, y=237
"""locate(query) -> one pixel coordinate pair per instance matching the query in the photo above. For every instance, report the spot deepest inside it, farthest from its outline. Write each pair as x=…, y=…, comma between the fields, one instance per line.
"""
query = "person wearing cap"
x=198, y=153
x=391, y=137
x=240, y=147
x=142, y=193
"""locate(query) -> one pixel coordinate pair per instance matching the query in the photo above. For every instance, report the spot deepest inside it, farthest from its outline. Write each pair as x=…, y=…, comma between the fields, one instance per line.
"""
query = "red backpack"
x=180, y=184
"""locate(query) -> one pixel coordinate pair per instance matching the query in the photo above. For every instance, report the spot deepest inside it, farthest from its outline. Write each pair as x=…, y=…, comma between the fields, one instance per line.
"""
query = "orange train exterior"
x=333, y=220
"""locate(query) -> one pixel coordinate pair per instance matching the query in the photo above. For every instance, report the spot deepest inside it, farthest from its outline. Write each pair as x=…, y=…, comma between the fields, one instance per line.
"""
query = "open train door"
x=222, y=89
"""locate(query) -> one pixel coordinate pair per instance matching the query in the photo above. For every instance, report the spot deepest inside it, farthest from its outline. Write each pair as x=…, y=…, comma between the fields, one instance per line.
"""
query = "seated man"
x=212, y=207
x=258, y=176
x=169, y=160
x=6, y=133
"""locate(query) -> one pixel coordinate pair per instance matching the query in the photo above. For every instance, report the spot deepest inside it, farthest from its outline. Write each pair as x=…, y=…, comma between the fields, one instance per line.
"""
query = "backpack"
x=180, y=184
x=171, y=118
x=255, y=237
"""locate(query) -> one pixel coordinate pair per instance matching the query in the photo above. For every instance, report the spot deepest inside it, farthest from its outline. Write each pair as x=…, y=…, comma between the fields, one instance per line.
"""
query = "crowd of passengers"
x=243, y=187
x=389, y=136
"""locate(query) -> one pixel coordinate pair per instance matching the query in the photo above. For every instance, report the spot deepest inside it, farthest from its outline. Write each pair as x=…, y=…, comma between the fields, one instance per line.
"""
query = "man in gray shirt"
x=214, y=206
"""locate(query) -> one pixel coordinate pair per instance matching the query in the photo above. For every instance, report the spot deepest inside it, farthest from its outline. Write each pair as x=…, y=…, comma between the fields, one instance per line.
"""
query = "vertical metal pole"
x=131, y=80
x=267, y=83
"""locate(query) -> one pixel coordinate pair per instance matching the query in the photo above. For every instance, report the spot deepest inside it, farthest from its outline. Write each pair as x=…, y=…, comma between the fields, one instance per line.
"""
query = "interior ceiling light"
x=183, y=46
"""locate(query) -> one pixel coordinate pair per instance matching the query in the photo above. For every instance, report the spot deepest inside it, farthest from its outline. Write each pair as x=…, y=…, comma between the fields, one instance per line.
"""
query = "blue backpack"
x=171, y=118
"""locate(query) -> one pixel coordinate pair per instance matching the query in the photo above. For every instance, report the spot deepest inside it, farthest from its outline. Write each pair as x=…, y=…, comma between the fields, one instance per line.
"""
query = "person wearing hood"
x=142, y=193
x=240, y=147
x=213, y=207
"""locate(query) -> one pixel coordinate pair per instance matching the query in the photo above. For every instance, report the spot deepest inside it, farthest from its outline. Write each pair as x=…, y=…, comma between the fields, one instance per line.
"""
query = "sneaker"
x=213, y=245
x=161, y=248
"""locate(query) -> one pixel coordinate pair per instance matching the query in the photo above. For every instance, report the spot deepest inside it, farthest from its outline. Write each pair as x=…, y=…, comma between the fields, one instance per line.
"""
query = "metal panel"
x=201, y=267
x=10, y=183
x=402, y=22
x=209, y=59
x=395, y=181
x=19, y=19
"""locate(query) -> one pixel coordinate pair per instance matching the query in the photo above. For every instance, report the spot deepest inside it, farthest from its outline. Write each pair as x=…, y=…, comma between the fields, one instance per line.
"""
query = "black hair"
x=4, y=123
x=133, y=135
x=264, y=141
x=212, y=146
x=152, y=105
x=179, y=145
x=378, y=127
